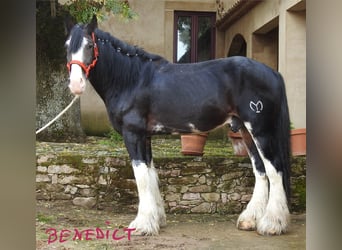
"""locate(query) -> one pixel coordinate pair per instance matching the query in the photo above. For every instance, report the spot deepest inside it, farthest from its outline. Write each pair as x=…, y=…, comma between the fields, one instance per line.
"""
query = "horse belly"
x=186, y=119
x=186, y=103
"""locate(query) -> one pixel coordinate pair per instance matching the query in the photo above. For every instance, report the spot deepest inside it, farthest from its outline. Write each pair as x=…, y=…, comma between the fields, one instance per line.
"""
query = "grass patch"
x=112, y=138
x=113, y=145
x=44, y=218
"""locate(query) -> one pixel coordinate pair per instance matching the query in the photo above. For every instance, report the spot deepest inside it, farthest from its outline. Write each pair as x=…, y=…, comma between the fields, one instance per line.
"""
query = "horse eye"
x=90, y=46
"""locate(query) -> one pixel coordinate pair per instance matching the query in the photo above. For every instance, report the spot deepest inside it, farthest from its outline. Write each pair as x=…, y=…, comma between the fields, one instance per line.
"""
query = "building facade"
x=271, y=31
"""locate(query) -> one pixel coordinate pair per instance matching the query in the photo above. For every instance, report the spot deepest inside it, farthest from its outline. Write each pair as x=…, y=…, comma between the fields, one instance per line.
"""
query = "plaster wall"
x=285, y=51
x=153, y=31
x=275, y=33
x=295, y=66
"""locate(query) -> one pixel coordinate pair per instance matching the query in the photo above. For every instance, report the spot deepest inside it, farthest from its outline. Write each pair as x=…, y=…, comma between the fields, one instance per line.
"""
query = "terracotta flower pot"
x=298, y=141
x=239, y=147
x=193, y=144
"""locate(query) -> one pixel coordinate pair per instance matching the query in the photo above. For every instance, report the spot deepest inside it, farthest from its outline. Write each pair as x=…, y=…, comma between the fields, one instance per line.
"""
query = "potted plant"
x=297, y=137
x=239, y=147
x=193, y=144
x=298, y=141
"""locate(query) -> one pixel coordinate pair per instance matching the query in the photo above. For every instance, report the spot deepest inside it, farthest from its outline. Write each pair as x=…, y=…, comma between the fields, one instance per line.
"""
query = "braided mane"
x=120, y=64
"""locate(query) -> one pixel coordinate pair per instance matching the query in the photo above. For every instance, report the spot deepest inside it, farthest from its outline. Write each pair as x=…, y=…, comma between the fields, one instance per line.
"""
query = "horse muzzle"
x=77, y=83
x=77, y=88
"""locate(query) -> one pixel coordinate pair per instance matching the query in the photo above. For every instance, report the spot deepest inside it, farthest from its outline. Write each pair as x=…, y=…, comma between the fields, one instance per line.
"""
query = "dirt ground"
x=59, y=222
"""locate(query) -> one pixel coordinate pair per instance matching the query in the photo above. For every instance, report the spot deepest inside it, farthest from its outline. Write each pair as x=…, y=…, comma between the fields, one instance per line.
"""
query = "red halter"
x=81, y=64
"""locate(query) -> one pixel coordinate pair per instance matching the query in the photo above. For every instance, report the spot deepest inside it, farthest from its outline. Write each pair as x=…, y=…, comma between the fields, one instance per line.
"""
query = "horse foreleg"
x=151, y=214
x=155, y=190
x=154, y=176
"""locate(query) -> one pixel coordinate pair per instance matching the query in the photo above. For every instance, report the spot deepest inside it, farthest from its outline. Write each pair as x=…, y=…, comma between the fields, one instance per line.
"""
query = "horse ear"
x=69, y=22
x=92, y=25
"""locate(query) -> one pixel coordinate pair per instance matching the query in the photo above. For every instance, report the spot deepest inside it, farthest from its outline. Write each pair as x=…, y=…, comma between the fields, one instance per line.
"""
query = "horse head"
x=82, y=54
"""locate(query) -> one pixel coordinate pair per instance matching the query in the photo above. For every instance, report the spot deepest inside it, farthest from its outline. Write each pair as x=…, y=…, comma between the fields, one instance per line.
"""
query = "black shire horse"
x=146, y=95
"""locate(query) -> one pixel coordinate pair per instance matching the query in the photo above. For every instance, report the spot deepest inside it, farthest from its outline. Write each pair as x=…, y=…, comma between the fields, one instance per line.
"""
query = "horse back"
x=205, y=94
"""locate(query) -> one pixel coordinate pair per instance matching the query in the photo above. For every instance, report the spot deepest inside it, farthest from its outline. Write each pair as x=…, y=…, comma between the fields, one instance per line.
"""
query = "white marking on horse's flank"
x=193, y=128
x=256, y=107
x=158, y=127
x=276, y=217
x=151, y=213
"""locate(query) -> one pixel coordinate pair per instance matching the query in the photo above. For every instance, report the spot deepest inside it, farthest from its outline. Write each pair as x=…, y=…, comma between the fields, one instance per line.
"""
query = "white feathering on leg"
x=277, y=216
x=255, y=209
x=156, y=193
x=147, y=221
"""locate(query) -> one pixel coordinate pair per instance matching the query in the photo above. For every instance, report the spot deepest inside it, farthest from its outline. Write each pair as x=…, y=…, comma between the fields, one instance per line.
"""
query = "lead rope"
x=59, y=115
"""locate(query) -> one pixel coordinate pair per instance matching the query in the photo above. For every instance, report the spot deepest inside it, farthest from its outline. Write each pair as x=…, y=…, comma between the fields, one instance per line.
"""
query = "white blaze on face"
x=77, y=77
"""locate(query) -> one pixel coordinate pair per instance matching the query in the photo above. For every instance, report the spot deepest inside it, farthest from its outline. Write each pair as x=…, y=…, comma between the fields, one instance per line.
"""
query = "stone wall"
x=188, y=185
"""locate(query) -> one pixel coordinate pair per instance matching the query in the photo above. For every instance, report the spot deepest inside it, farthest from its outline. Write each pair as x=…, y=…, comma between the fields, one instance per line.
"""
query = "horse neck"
x=119, y=66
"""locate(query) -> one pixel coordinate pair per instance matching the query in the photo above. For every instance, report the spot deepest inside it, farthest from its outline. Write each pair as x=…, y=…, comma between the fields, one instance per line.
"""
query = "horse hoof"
x=138, y=233
x=246, y=225
x=142, y=228
x=272, y=226
x=162, y=222
x=271, y=232
x=143, y=232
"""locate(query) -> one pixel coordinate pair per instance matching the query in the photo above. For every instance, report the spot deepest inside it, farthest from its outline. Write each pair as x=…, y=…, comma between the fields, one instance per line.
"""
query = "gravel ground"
x=183, y=231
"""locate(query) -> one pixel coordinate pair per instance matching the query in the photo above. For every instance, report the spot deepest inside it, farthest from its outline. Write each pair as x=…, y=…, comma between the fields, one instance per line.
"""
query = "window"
x=194, y=36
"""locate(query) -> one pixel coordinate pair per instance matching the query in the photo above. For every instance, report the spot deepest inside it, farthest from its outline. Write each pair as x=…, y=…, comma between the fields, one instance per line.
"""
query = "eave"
x=235, y=12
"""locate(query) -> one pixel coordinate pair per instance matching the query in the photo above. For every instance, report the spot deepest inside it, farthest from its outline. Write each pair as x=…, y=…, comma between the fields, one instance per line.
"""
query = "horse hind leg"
x=255, y=209
x=275, y=219
x=235, y=124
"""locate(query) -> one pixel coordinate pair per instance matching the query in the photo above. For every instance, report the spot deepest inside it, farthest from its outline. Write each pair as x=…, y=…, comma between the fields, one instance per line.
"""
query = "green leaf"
x=83, y=10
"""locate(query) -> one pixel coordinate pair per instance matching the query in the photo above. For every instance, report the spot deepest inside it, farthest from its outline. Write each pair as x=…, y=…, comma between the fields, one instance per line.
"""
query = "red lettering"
x=88, y=233
x=78, y=235
x=99, y=233
x=114, y=235
x=129, y=230
x=54, y=233
x=67, y=234
x=107, y=232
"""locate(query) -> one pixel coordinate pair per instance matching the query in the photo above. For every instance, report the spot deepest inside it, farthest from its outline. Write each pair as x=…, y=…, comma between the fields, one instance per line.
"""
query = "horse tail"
x=283, y=140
